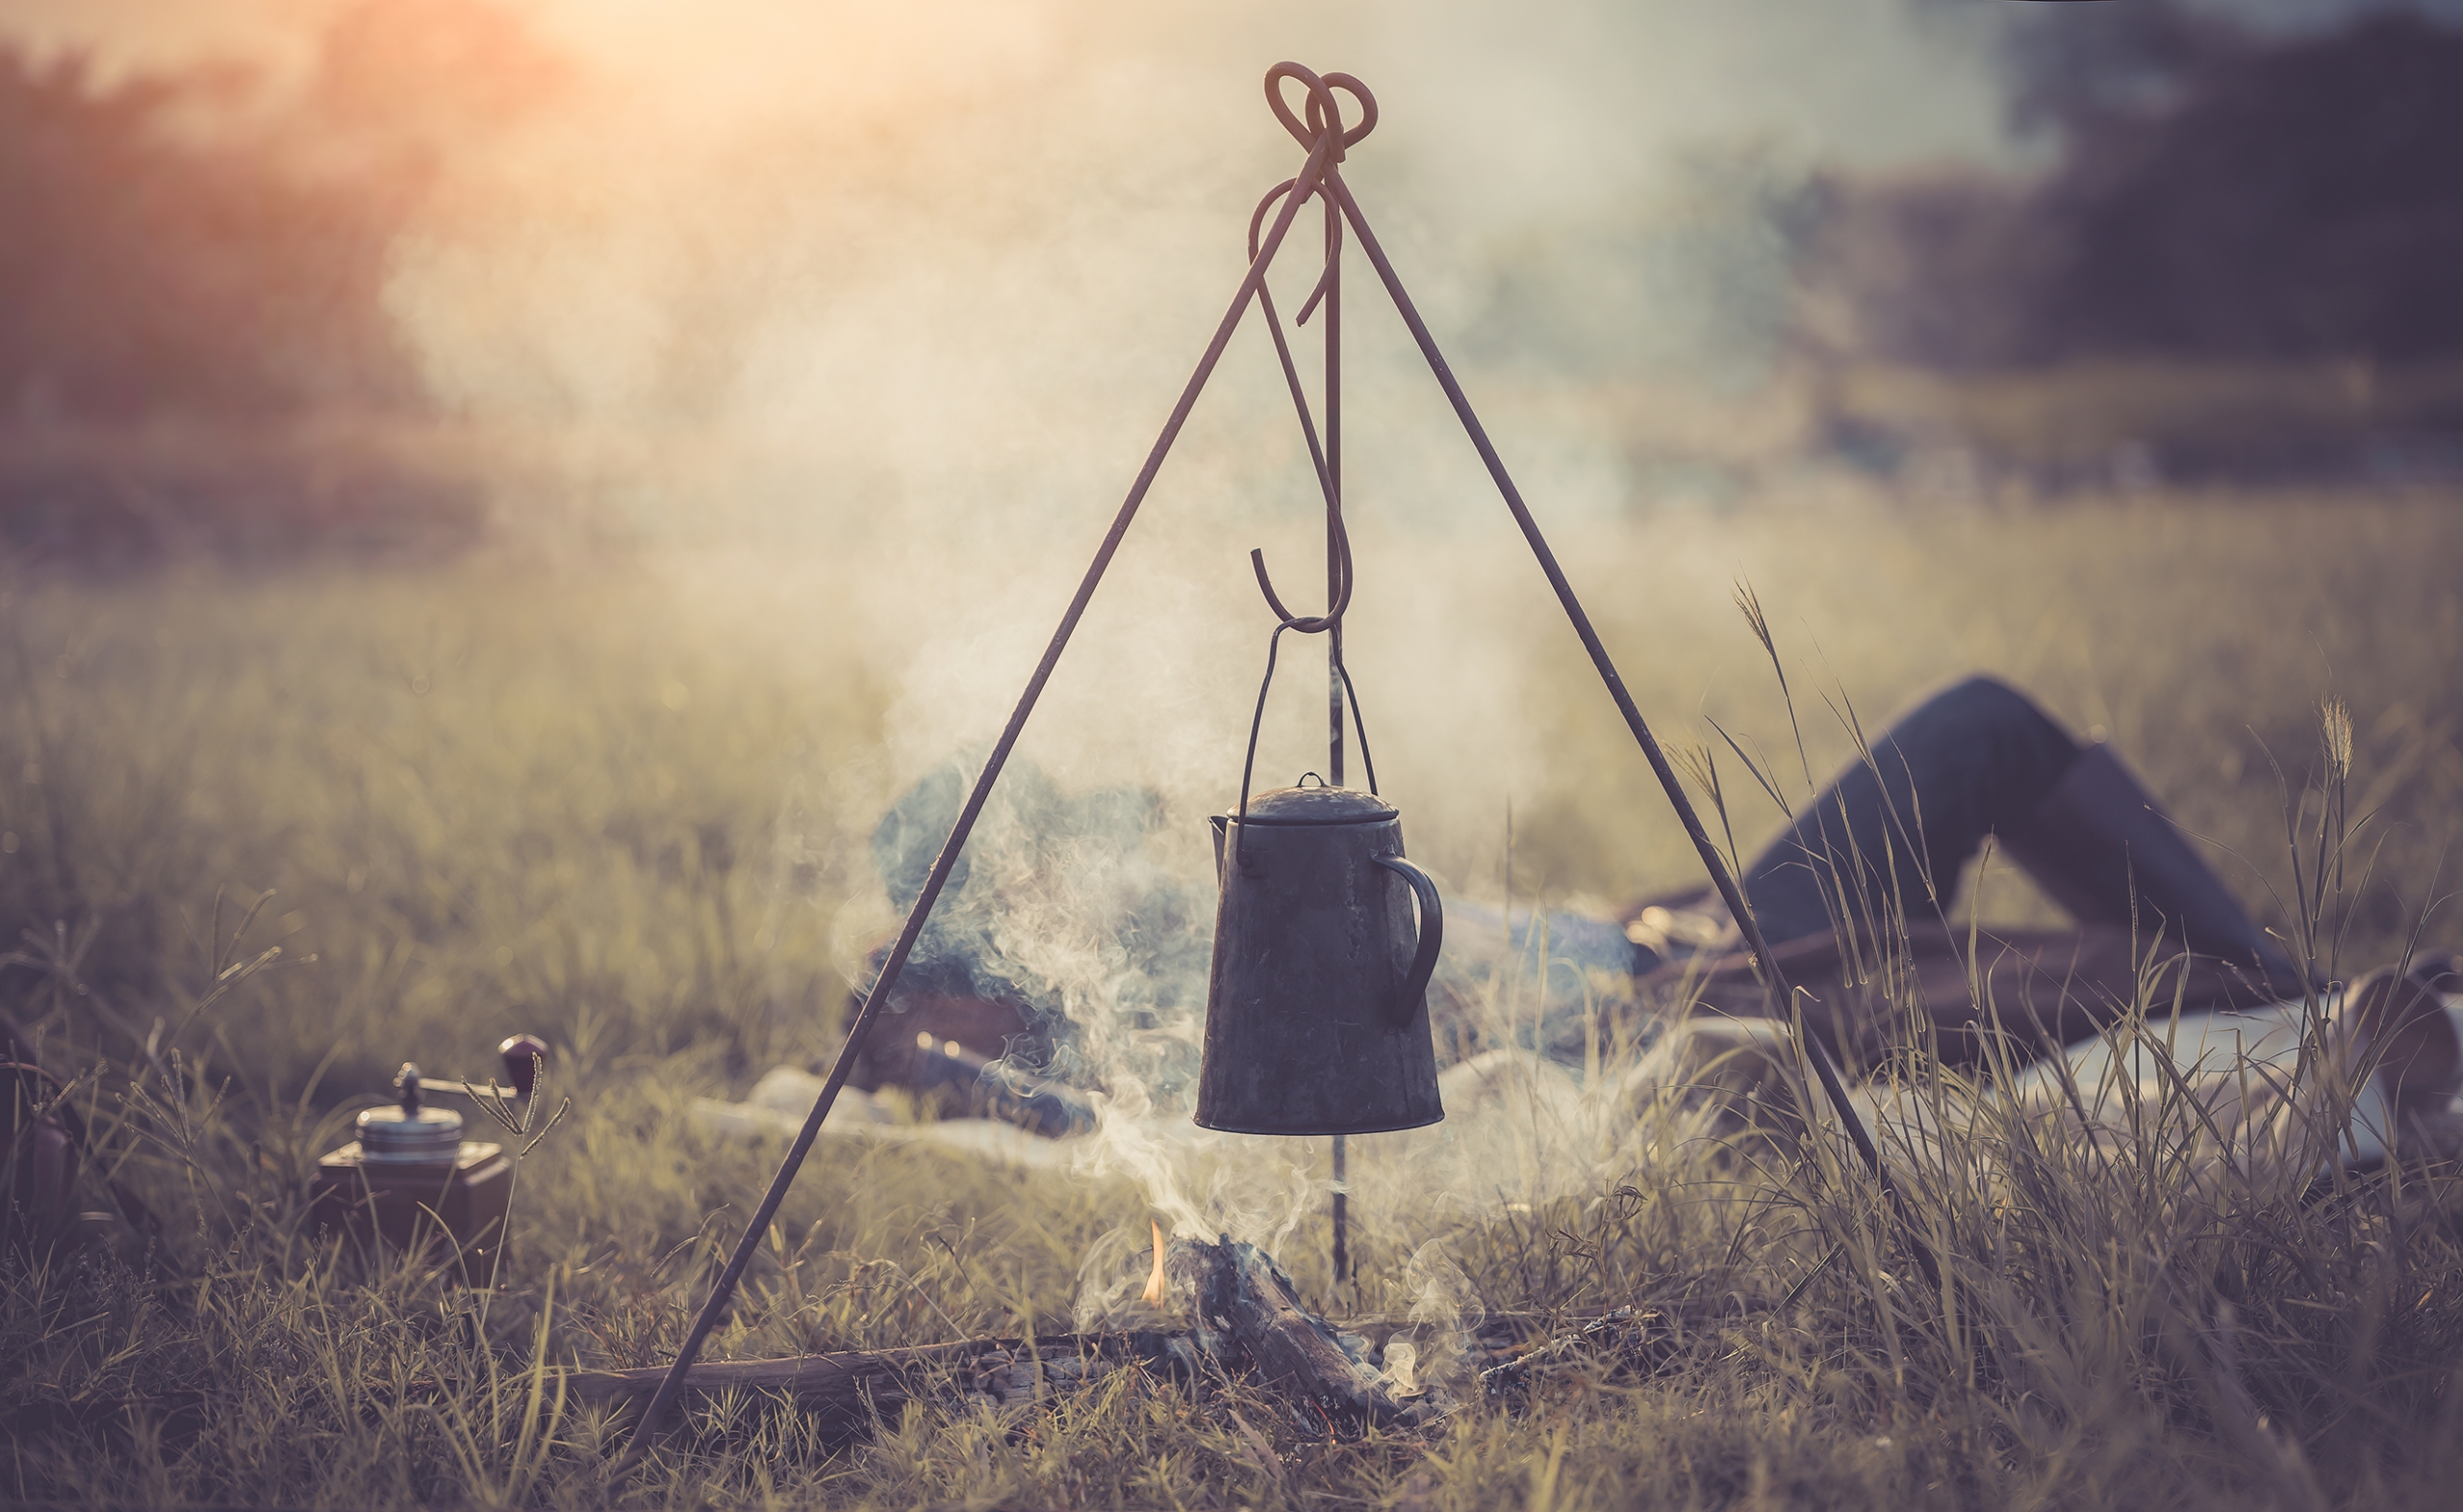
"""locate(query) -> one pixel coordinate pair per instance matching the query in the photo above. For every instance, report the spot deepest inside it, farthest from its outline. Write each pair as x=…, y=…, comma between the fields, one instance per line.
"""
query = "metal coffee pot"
x=1316, y=1014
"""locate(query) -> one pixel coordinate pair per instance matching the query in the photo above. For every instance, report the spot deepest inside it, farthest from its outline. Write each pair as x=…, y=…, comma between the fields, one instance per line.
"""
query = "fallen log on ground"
x=1246, y=1323
x=848, y=1389
x=1247, y=1320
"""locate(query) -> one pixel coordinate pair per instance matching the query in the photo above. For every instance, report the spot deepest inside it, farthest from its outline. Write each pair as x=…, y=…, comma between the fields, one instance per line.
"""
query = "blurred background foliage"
x=2237, y=262
x=2224, y=252
x=2214, y=195
x=195, y=349
x=183, y=243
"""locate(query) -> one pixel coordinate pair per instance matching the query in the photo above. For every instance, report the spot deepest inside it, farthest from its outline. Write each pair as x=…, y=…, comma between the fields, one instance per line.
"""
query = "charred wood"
x=1246, y=1324
x=1246, y=1312
x=848, y=1389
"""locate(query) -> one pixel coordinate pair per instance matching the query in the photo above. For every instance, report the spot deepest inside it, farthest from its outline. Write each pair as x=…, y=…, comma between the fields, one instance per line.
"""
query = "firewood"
x=1246, y=1311
x=848, y=1388
x=1246, y=1321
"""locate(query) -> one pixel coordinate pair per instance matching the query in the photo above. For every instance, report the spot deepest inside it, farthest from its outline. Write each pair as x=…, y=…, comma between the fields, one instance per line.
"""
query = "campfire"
x=1241, y=1326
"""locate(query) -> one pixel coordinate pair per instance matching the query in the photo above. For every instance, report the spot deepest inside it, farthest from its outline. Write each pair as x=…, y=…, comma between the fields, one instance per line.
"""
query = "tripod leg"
x=672, y=1386
x=1780, y=996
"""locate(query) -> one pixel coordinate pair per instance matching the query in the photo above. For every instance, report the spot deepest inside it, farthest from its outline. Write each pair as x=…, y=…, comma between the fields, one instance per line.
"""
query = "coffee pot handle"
x=1432, y=935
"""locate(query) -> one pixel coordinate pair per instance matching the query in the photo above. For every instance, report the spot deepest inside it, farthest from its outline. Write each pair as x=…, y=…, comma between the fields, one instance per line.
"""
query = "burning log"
x=846, y=1390
x=1245, y=1312
x=1246, y=1318
x=1245, y=1322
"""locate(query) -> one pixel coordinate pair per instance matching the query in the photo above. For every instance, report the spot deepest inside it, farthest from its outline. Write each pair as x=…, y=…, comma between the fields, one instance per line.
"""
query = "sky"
x=1595, y=86
x=1596, y=83
x=726, y=166
x=721, y=157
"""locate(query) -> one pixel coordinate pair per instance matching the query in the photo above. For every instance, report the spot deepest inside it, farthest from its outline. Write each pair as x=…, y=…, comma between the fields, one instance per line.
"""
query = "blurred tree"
x=2218, y=196
x=2296, y=201
x=405, y=88
x=2069, y=69
x=1933, y=268
x=161, y=251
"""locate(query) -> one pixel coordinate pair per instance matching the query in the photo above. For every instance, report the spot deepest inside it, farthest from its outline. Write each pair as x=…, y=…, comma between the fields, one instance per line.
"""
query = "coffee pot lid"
x=1303, y=804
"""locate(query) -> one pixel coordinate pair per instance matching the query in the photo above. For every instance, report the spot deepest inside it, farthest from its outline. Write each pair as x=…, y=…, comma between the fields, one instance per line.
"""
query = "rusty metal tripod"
x=1320, y=128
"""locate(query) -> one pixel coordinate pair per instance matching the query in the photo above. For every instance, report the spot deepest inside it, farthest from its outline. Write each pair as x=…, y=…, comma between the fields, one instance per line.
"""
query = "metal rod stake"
x=1342, y=1200
x=1335, y=549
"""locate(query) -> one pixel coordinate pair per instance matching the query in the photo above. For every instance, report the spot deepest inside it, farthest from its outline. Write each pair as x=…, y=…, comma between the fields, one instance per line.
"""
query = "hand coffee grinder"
x=411, y=1181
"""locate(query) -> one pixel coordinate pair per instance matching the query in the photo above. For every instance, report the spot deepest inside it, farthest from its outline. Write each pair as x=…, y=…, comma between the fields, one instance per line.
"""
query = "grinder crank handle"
x=1432, y=936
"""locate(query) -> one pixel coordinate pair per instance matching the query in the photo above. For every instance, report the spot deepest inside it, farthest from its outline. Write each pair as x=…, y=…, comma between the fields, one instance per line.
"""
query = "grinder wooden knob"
x=524, y=1054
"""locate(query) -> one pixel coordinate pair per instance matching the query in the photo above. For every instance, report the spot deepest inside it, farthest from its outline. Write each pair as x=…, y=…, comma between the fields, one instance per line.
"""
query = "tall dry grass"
x=491, y=798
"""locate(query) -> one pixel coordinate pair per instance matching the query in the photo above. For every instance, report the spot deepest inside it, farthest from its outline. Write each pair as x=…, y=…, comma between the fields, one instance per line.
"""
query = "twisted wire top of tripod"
x=1324, y=111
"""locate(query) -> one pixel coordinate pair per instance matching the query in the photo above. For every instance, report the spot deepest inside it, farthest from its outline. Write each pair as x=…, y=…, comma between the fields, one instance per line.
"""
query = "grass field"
x=624, y=803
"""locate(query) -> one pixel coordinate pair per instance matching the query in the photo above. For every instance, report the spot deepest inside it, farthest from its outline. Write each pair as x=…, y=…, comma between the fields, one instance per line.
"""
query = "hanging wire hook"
x=1324, y=120
x=1314, y=624
x=1282, y=352
x=1333, y=614
x=1334, y=243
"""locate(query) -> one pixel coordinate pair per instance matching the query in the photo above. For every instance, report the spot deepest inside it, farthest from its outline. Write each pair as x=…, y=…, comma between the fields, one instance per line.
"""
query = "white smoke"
x=861, y=319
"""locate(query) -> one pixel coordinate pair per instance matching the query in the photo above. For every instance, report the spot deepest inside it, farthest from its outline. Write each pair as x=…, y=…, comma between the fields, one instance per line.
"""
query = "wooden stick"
x=1247, y=1317
x=1248, y=1311
x=850, y=1388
